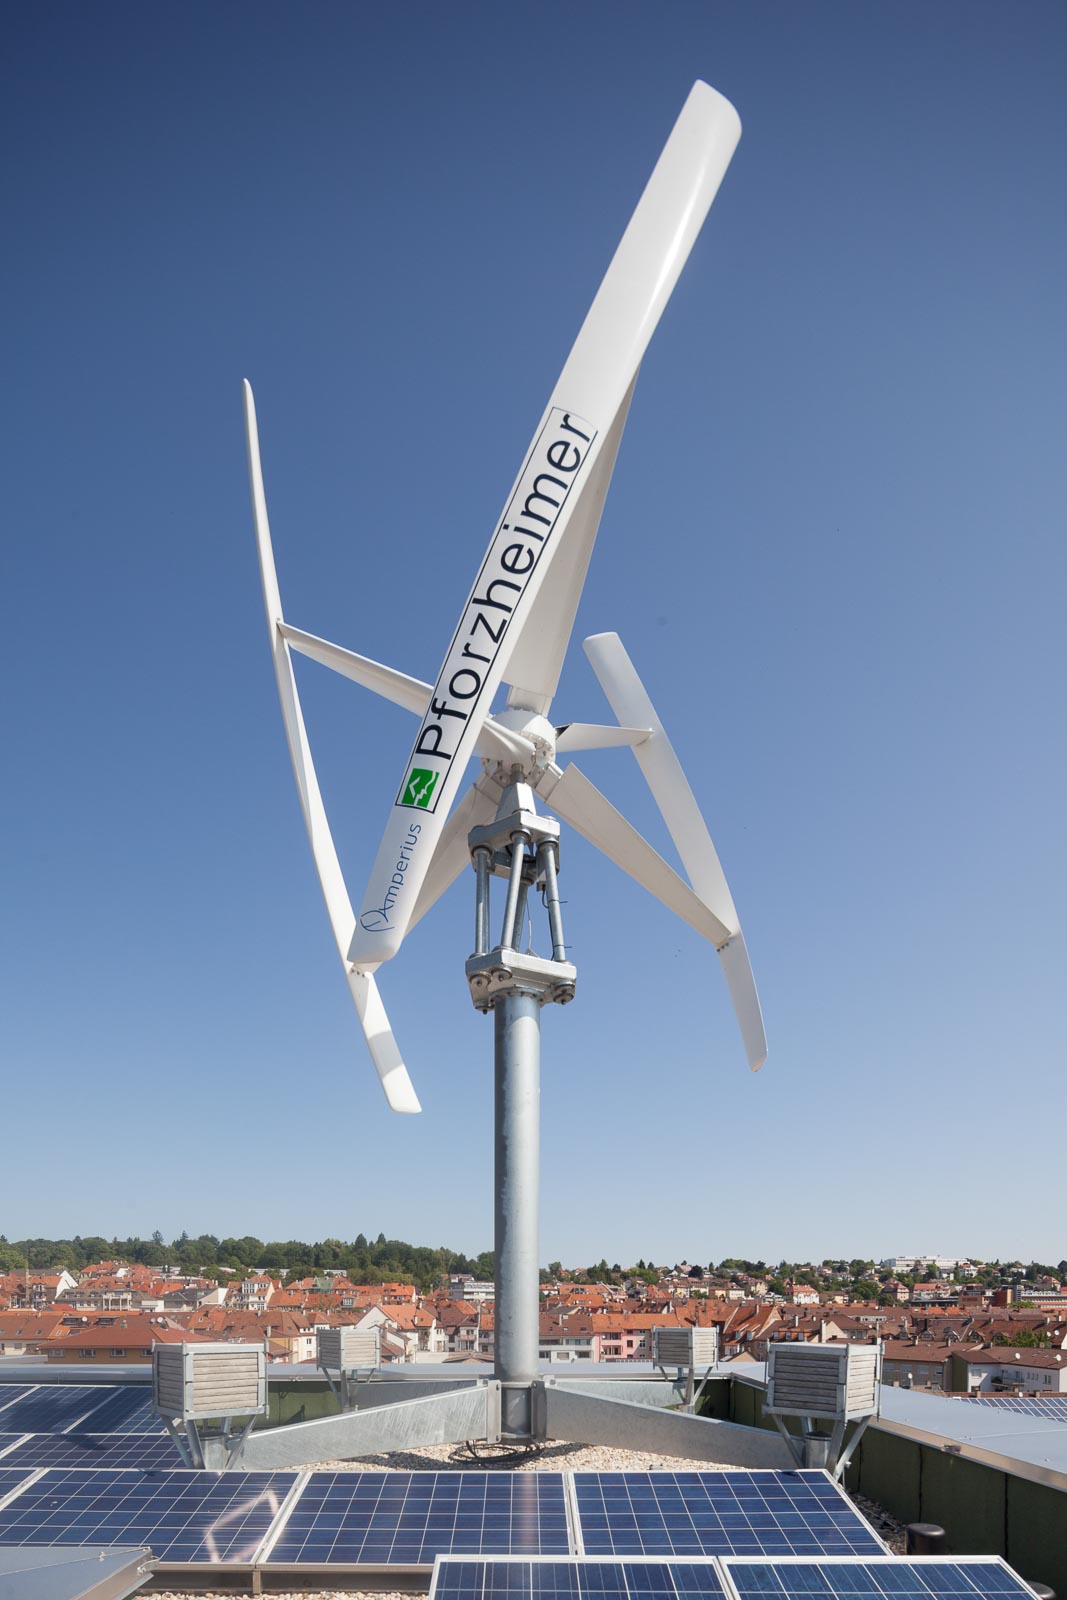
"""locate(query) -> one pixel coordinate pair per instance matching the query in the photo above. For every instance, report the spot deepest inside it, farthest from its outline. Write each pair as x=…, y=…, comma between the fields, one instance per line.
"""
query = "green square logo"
x=419, y=787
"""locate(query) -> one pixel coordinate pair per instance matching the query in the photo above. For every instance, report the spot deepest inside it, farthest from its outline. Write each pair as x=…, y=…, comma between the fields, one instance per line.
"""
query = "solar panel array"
x=109, y=1474
x=1049, y=1406
x=893, y=1578
x=408, y=1518
x=88, y=1465
x=719, y=1513
x=96, y=1489
x=591, y=1578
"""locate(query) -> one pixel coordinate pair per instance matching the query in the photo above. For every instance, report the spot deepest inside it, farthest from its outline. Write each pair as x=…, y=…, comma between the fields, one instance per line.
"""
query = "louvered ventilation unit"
x=835, y=1383
x=345, y=1352
x=687, y=1349
x=195, y=1383
x=348, y=1349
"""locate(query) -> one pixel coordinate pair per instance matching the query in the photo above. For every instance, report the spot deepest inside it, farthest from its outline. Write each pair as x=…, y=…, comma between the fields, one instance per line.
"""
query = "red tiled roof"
x=32, y=1325
x=138, y=1333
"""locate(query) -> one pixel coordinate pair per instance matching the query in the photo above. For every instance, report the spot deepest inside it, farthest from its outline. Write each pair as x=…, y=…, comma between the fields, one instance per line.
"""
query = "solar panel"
x=560, y=1578
x=128, y=1409
x=718, y=1513
x=10, y=1392
x=53, y=1407
x=181, y=1516
x=947, y=1578
x=111, y=1450
x=1049, y=1406
x=408, y=1518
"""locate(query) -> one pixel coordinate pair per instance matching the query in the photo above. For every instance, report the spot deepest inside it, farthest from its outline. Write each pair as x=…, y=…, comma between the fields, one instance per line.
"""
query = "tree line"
x=364, y=1261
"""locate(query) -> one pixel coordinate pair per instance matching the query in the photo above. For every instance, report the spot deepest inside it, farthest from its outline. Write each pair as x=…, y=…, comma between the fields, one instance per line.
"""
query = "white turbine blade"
x=452, y=854
x=387, y=1061
x=581, y=803
x=334, y=891
x=537, y=660
x=411, y=693
x=596, y=736
x=742, y=986
x=578, y=425
x=386, y=681
x=663, y=773
x=670, y=789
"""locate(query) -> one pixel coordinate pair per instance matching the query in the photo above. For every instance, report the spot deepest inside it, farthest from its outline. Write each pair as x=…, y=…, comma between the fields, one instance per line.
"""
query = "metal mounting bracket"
x=509, y=971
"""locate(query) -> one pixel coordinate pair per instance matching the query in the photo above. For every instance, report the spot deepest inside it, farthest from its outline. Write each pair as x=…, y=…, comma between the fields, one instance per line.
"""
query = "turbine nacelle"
x=536, y=731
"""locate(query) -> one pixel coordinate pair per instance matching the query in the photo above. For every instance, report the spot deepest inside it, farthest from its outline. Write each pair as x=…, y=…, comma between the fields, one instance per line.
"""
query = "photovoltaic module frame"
x=713, y=1513
x=181, y=1516
x=884, y=1578
x=406, y=1519
x=570, y=1578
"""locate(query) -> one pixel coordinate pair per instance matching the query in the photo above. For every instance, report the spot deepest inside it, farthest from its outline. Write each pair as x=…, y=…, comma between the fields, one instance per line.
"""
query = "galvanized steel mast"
x=522, y=848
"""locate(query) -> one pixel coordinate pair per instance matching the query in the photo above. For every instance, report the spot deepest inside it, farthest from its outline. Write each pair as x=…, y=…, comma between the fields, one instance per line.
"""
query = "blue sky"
x=834, y=548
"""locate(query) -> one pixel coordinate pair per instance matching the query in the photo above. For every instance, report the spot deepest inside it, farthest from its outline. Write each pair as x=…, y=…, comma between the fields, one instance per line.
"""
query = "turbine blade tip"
x=407, y=1110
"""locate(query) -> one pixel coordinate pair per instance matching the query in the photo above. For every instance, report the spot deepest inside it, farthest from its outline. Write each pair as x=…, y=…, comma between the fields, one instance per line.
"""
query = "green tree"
x=11, y=1257
x=1024, y=1339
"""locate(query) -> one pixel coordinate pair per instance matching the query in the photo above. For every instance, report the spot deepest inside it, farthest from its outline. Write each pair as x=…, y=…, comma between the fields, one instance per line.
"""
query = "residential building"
x=116, y=1340
x=254, y=1293
x=22, y=1332
x=464, y=1286
x=915, y=1364
x=999, y=1370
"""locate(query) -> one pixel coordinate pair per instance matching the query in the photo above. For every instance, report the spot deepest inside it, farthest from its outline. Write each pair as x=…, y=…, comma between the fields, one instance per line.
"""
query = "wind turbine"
x=514, y=629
